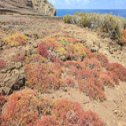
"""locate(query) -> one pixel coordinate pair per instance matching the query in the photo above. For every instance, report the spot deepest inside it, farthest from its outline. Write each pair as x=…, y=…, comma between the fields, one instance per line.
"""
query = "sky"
x=89, y=4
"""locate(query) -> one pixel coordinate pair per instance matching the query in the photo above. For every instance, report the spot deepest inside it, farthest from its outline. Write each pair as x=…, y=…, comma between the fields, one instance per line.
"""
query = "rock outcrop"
x=33, y=7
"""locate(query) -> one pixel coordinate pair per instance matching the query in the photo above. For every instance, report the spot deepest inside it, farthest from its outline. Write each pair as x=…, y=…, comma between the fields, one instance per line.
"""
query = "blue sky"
x=89, y=4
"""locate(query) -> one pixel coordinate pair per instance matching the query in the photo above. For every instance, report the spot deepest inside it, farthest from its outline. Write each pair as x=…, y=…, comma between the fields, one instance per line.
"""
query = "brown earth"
x=112, y=110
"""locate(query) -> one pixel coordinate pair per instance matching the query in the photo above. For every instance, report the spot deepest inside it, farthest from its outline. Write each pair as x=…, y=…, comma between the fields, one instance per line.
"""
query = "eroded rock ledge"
x=33, y=7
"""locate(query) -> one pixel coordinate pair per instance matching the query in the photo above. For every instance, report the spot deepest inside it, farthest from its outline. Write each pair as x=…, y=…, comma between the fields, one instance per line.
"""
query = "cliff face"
x=38, y=7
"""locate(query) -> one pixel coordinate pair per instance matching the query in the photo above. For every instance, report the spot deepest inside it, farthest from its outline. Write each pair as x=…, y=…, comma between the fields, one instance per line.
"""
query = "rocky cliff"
x=34, y=7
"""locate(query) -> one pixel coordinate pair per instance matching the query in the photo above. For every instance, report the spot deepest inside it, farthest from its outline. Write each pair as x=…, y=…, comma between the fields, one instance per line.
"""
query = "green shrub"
x=67, y=19
x=113, y=25
x=110, y=24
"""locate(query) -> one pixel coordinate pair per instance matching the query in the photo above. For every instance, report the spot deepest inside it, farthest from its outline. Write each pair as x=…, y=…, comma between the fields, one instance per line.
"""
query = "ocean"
x=117, y=12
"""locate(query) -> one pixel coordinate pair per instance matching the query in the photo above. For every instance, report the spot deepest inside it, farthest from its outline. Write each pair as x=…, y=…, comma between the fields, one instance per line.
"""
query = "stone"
x=5, y=90
x=18, y=84
x=1, y=44
x=35, y=45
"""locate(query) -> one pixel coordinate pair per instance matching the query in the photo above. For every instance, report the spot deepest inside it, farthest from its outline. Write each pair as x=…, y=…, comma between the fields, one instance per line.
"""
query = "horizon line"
x=90, y=9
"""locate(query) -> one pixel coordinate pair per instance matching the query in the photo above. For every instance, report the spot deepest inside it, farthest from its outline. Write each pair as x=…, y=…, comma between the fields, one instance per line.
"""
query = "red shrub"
x=71, y=40
x=118, y=69
x=77, y=64
x=19, y=58
x=43, y=76
x=90, y=84
x=92, y=64
x=21, y=108
x=43, y=49
x=86, y=74
x=2, y=102
x=90, y=118
x=69, y=82
x=92, y=88
x=36, y=58
x=109, y=78
x=102, y=59
x=66, y=113
x=2, y=64
x=70, y=114
x=3, y=121
x=62, y=107
x=89, y=54
x=75, y=68
x=46, y=121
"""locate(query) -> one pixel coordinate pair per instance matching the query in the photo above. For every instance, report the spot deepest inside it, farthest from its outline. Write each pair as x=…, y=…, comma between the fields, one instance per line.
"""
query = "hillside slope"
x=26, y=78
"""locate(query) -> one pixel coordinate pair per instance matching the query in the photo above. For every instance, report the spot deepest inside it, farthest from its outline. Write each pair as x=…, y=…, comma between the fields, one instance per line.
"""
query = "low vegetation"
x=16, y=39
x=66, y=62
x=59, y=62
x=26, y=109
x=110, y=24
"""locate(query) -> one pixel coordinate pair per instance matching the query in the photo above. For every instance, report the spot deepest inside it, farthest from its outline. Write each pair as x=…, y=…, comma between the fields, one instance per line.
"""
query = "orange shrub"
x=92, y=64
x=118, y=69
x=91, y=86
x=16, y=39
x=64, y=61
x=76, y=51
x=109, y=78
x=70, y=113
x=67, y=113
x=36, y=58
x=102, y=59
x=46, y=121
x=62, y=48
x=70, y=82
x=21, y=108
x=24, y=108
x=43, y=50
x=43, y=76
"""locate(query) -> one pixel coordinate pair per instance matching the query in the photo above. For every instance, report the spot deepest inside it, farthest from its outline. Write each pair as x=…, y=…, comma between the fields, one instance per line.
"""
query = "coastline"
x=116, y=12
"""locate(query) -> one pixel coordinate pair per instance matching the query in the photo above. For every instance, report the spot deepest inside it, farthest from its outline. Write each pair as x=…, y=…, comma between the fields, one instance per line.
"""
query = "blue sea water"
x=117, y=12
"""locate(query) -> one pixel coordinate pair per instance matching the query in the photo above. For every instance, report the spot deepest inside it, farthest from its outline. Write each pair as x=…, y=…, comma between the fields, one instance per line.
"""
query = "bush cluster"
x=88, y=71
x=16, y=39
x=43, y=76
x=21, y=109
x=67, y=19
x=25, y=108
x=81, y=68
x=61, y=48
x=110, y=24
